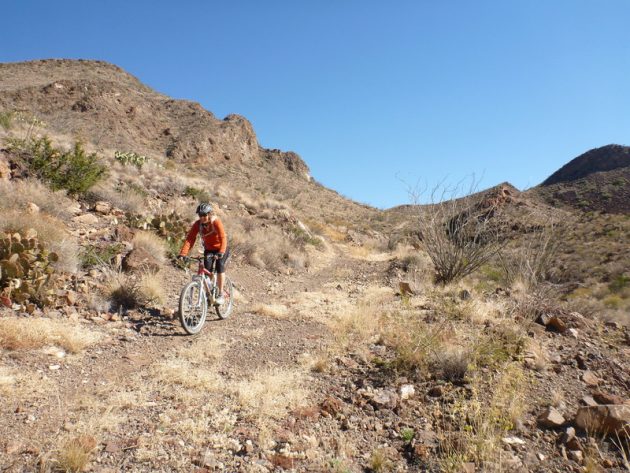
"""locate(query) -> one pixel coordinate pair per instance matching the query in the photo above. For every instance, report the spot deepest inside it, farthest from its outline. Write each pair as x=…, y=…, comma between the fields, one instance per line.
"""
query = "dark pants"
x=221, y=263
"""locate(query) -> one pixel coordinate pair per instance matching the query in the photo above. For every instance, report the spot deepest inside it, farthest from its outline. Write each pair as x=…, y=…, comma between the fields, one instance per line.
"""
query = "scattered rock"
x=405, y=289
x=606, y=420
x=407, y=391
x=102, y=207
x=436, y=391
x=576, y=456
x=605, y=398
x=385, y=399
x=513, y=441
x=589, y=401
x=32, y=208
x=589, y=378
x=87, y=219
x=551, y=418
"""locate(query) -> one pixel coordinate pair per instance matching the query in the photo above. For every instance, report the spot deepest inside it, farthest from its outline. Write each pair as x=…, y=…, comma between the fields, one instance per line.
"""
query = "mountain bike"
x=201, y=292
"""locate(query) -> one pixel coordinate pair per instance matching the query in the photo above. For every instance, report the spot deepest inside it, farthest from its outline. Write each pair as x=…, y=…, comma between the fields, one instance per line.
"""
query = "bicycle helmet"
x=204, y=209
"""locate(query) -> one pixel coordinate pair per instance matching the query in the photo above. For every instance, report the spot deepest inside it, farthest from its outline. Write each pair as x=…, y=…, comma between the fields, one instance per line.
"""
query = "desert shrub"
x=171, y=226
x=619, y=283
x=75, y=454
x=6, y=119
x=97, y=255
x=121, y=289
x=74, y=170
x=458, y=233
x=199, y=195
x=264, y=247
x=451, y=364
x=533, y=260
x=471, y=427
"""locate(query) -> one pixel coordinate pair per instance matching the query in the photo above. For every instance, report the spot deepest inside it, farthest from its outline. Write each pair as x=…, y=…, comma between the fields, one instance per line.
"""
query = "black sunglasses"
x=203, y=215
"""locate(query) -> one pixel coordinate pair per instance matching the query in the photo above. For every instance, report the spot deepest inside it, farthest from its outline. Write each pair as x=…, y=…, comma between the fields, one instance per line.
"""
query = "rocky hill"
x=345, y=351
x=596, y=180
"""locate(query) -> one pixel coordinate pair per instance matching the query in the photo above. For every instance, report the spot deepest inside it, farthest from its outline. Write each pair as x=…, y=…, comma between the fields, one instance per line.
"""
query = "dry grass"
x=7, y=380
x=270, y=394
x=362, y=322
x=30, y=334
x=275, y=311
x=478, y=422
x=194, y=381
x=122, y=292
x=74, y=454
x=266, y=247
x=17, y=194
x=152, y=243
x=151, y=290
x=125, y=198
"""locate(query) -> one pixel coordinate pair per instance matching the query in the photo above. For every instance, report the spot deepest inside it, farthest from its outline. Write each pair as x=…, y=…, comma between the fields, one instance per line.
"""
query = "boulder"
x=140, y=259
x=610, y=419
x=87, y=219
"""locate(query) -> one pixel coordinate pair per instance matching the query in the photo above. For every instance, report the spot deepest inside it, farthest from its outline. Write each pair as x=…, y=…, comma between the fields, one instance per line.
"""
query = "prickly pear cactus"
x=25, y=269
x=170, y=226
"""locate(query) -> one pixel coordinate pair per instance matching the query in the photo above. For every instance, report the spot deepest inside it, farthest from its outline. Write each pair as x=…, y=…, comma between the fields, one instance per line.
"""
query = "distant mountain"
x=596, y=180
x=606, y=158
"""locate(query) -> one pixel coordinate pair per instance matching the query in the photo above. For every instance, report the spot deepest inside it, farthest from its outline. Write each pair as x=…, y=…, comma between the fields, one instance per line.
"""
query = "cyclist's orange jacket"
x=212, y=235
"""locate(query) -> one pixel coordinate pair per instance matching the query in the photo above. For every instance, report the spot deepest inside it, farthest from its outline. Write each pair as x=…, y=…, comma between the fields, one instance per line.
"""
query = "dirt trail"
x=114, y=391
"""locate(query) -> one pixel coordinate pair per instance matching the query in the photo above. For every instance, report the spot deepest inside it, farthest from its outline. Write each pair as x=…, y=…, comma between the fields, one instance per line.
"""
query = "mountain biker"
x=214, y=241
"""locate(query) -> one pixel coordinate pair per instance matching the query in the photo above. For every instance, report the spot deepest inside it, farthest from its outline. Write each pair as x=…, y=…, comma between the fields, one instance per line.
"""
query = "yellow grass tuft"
x=29, y=334
x=150, y=289
x=270, y=394
x=275, y=311
x=74, y=455
x=152, y=243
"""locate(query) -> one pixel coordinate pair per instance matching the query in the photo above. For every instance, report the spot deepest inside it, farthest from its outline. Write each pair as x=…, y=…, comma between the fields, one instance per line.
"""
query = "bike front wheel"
x=193, y=307
x=224, y=310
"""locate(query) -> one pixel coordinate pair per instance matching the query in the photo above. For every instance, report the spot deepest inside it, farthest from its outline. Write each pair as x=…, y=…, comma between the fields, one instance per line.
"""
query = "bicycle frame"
x=208, y=278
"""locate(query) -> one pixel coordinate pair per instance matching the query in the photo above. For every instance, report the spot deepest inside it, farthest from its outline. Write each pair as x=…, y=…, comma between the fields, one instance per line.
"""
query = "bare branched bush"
x=460, y=234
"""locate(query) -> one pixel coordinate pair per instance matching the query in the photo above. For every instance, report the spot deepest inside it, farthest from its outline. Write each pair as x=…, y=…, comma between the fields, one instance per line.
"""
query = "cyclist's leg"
x=208, y=260
x=221, y=264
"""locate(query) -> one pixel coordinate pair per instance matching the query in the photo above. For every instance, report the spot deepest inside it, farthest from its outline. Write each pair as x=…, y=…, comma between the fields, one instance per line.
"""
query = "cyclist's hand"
x=182, y=258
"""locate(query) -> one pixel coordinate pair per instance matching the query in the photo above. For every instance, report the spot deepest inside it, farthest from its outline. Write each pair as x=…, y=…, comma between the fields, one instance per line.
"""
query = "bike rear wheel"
x=224, y=310
x=193, y=307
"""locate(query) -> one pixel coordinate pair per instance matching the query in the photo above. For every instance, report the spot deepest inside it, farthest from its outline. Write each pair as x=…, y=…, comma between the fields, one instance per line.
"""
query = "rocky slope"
x=328, y=362
x=598, y=180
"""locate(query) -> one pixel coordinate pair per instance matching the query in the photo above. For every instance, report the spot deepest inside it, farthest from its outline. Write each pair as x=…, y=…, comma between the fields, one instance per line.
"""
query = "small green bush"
x=6, y=119
x=95, y=256
x=197, y=194
x=75, y=170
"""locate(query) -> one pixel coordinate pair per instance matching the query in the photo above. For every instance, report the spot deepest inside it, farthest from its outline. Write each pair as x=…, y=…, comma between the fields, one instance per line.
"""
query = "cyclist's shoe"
x=219, y=300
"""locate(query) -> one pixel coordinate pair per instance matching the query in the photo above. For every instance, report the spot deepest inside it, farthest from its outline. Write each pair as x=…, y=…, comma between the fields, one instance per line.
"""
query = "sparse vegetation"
x=459, y=233
x=30, y=334
x=132, y=158
x=74, y=171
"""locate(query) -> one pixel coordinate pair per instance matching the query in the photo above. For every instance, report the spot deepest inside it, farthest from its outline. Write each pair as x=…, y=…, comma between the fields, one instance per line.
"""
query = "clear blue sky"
x=370, y=93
